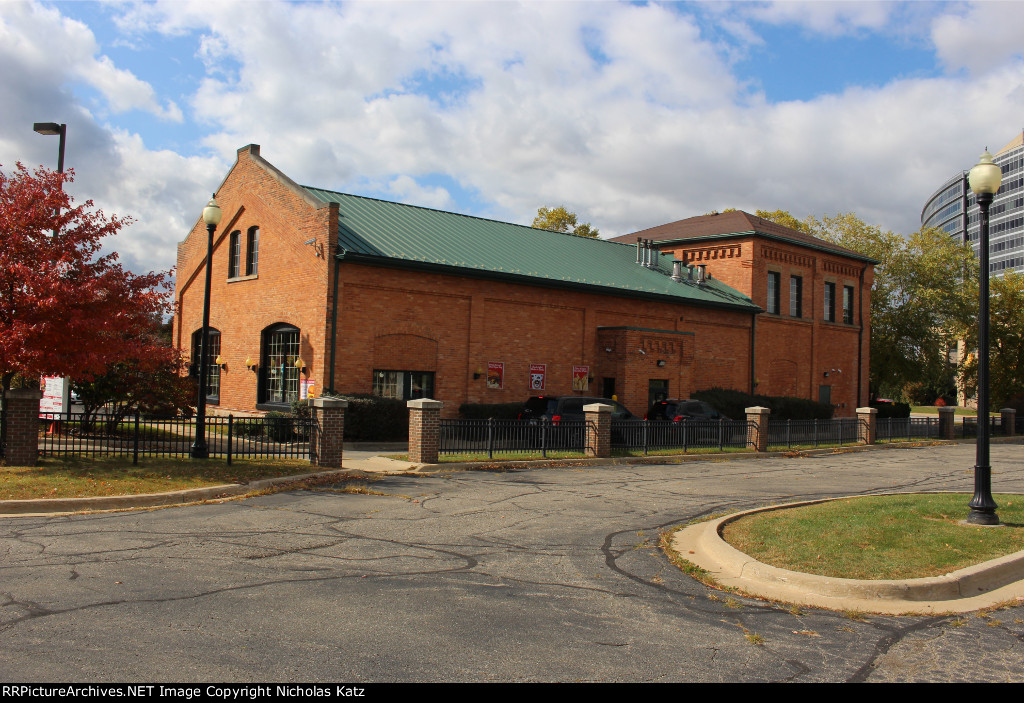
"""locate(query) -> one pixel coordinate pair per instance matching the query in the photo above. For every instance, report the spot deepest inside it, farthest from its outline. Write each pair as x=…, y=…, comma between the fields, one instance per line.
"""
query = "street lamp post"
x=211, y=216
x=984, y=178
x=54, y=129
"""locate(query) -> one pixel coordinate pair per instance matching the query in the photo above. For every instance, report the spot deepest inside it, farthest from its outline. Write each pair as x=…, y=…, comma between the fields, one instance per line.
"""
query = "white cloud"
x=624, y=113
x=407, y=190
x=980, y=37
x=831, y=18
x=39, y=40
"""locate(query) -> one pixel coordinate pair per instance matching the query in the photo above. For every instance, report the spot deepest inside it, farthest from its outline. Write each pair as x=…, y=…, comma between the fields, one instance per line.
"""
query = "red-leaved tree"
x=64, y=309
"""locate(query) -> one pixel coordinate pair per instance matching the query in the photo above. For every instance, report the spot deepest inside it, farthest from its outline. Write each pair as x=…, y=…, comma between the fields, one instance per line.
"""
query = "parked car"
x=676, y=410
x=559, y=410
x=568, y=407
x=698, y=420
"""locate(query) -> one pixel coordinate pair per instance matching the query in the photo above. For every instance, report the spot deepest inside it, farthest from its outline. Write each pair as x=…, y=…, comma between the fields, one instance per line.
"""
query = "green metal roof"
x=407, y=235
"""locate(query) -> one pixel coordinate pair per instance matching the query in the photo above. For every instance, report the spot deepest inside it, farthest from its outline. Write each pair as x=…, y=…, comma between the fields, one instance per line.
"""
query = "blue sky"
x=630, y=114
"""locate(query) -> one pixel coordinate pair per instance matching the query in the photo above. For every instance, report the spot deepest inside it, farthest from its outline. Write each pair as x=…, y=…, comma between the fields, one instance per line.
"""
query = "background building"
x=951, y=209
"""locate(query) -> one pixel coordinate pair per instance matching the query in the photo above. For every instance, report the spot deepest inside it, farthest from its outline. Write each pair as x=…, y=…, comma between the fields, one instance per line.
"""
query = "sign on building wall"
x=307, y=388
x=538, y=372
x=581, y=378
x=496, y=375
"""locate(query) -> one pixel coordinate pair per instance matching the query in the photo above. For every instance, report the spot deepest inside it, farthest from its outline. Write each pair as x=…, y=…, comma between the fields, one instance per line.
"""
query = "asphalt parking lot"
x=539, y=575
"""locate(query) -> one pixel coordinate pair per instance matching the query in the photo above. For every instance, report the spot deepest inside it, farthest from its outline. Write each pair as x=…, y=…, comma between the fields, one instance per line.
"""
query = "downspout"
x=860, y=341
x=334, y=321
x=753, y=347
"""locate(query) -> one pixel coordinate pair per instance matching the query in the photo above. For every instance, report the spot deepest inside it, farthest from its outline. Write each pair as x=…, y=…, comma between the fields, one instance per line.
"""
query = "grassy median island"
x=879, y=537
x=75, y=477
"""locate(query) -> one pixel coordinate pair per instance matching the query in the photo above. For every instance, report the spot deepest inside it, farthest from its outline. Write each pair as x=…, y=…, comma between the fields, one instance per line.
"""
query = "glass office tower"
x=952, y=209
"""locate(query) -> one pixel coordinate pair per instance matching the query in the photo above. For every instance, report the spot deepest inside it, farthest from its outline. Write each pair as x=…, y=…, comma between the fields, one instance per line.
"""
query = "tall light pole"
x=984, y=178
x=211, y=216
x=54, y=129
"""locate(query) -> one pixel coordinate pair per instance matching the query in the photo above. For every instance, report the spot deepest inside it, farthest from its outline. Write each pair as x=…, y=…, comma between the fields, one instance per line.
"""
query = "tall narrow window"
x=253, y=257
x=234, y=253
x=281, y=377
x=796, y=296
x=848, y=304
x=830, y=302
x=212, y=369
x=773, y=292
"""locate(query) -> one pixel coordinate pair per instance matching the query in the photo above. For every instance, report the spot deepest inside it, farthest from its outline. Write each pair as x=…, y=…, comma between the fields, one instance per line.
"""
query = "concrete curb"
x=971, y=588
x=65, y=506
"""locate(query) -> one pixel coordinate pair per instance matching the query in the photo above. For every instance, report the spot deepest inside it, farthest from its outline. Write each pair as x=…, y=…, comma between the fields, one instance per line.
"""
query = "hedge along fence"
x=370, y=418
x=734, y=403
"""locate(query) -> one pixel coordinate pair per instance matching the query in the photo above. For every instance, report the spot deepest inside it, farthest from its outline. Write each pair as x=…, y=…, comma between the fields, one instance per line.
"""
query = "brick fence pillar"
x=757, y=434
x=1009, y=421
x=866, y=425
x=947, y=423
x=599, y=430
x=22, y=440
x=327, y=440
x=424, y=430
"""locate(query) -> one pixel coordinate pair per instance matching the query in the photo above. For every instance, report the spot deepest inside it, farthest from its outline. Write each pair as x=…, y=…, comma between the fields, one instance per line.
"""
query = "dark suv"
x=675, y=410
x=568, y=407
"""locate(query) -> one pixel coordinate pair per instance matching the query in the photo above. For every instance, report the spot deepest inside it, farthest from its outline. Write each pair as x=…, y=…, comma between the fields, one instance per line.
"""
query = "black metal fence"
x=790, y=434
x=513, y=436
x=969, y=426
x=75, y=434
x=892, y=429
x=653, y=435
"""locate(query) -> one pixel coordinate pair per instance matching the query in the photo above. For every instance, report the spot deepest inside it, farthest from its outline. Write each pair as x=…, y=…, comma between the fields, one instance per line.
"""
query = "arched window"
x=280, y=376
x=213, y=370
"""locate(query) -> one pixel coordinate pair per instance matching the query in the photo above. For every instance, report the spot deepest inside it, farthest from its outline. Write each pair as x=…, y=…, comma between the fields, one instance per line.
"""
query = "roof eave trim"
x=768, y=235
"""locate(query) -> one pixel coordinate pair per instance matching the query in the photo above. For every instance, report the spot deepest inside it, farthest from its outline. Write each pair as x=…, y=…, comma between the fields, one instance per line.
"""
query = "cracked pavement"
x=547, y=574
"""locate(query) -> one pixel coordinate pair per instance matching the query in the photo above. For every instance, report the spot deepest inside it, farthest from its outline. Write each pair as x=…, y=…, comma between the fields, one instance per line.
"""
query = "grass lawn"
x=75, y=477
x=879, y=537
x=498, y=456
x=957, y=411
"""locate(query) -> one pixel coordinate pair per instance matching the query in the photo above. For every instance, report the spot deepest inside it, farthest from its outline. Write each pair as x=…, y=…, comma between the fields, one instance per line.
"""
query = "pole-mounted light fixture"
x=211, y=217
x=984, y=180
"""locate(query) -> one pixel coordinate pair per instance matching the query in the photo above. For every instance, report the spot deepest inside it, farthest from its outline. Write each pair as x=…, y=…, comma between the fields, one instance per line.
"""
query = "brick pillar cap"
x=26, y=393
x=758, y=410
x=1008, y=410
x=597, y=408
x=946, y=410
x=867, y=411
x=330, y=403
x=425, y=404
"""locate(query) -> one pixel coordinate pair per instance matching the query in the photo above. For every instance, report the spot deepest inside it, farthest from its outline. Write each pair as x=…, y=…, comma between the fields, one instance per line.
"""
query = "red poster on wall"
x=538, y=372
x=580, y=378
x=496, y=375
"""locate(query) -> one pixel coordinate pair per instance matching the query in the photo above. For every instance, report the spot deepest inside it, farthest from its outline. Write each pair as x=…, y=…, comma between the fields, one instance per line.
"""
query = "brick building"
x=812, y=341
x=315, y=290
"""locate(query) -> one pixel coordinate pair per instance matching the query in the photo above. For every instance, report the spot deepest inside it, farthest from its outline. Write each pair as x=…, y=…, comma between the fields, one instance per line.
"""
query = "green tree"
x=561, y=220
x=1006, y=343
x=924, y=297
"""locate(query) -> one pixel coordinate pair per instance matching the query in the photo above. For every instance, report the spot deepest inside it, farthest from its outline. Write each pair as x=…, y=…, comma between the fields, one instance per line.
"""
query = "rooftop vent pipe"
x=677, y=270
x=702, y=274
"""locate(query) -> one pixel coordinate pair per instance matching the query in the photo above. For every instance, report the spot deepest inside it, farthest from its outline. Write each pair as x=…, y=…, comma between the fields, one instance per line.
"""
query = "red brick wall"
x=290, y=285
x=793, y=354
x=473, y=321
